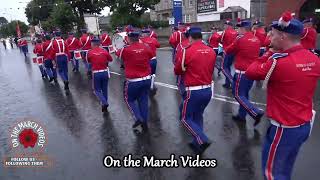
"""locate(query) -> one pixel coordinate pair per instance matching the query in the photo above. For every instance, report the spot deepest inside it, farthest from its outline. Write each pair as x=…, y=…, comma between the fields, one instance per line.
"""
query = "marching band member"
x=153, y=44
x=136, y=57
x=227, y=37
x=175, y=39
x=73, y=46
x=309, y=35
x=48, y=56
x=246, y=49
x=196, y=66
x=85, y=41
x=214, y=39
x=291, y=78
x=24, y=46
x=99, y=59
x=105, y=41
x=62, y=57
x=39, y=51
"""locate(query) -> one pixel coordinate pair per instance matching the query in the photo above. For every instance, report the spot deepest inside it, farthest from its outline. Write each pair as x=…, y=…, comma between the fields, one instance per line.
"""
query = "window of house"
x=191, y=3
x=187, y=18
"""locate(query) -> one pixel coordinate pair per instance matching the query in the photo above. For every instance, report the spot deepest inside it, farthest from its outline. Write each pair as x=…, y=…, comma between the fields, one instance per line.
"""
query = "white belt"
x=153, y=58
x=192, y=88
x=85, y=50
x=275, y=123
x=139, y=79
x=40, y=64
x=104, y=70
x=61, y=54
x=240, y=72
x=215, y=48
x=264, y=48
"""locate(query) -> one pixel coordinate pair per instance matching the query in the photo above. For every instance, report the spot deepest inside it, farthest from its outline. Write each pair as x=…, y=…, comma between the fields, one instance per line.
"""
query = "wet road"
x=79, y=136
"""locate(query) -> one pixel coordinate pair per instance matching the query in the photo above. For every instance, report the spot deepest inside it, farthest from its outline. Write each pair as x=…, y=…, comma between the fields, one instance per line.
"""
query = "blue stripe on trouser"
x=42, y=70
x=226, y=68
x=194, y=104
x=280, y=150
x=136, y=97
x=100, y=86
x=52, y=72
x=62, y=64
x=85, y=60
x=240, y=90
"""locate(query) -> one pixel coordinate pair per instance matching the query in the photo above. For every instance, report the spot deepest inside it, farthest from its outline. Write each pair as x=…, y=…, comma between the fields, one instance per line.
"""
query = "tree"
x=39, y=10
x=10, y=29
x=86, y=6
x=3, y=21
x=63, y=17
x=129, y=11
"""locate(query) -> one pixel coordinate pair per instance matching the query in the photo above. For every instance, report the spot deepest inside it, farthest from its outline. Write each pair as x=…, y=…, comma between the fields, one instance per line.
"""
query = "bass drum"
x=118, y=41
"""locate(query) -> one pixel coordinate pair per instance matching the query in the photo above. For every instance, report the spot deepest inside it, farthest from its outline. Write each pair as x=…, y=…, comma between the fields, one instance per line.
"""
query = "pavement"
x=79, y=136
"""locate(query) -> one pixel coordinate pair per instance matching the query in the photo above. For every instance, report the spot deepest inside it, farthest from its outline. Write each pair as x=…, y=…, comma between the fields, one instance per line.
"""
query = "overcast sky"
x=9, y=10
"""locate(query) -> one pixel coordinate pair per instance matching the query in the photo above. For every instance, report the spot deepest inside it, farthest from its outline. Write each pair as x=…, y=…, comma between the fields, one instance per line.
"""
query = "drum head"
x=118, y=40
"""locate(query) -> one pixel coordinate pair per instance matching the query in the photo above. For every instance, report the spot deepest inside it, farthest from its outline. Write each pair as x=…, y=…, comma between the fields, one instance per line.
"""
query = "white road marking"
x=216, y=96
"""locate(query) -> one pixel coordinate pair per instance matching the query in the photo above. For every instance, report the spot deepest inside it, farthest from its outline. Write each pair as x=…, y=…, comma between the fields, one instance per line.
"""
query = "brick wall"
x=276, y=7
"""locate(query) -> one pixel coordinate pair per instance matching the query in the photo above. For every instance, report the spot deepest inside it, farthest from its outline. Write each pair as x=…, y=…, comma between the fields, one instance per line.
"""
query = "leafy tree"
x=129, y=11
x=3, y=21
x=63, y=17
x=10, y=29
x=39, y=10
x=81, y=7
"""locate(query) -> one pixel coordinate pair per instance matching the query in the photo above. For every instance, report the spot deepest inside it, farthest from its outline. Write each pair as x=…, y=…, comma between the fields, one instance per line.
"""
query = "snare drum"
x=40, y=60
x=77, y=55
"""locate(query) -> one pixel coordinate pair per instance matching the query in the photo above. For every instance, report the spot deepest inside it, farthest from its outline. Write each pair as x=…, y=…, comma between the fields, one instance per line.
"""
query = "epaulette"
x=278, y=55
x=239, y=36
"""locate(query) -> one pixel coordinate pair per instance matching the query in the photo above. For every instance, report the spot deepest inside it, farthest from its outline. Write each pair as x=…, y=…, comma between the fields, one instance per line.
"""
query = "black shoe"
x=44, y=77
x=51, y=79
x=122, y=66
x=153, y=91
x=66, y=85
x=144, y=127
x=257, y=120
x=238, y=118
x=226, y=86
x=193, y=147
x=203, y=147
x=89, y=74
x=104, y=108
x=136, y=124
x=74, y=70
x=55, y=80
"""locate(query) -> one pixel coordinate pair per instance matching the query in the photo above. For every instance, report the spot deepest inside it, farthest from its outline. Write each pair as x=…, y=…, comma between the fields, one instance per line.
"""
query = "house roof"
x=234, y=9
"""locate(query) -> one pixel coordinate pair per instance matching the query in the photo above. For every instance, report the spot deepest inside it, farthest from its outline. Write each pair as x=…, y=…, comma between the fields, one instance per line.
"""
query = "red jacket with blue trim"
x=136, y=58
x=291, y=86
x=246, y=49
x=73, y=43
x=199, y=65
x=85, y=41
x=99, y=58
